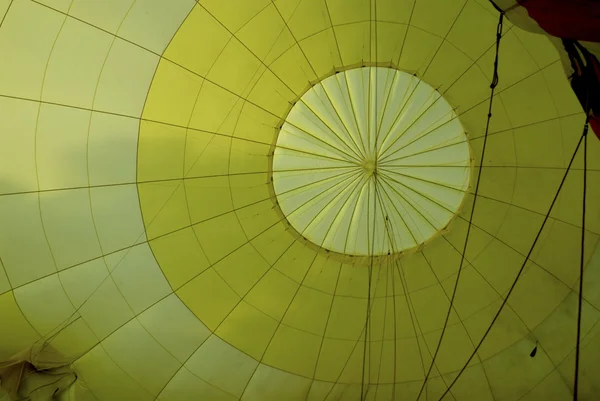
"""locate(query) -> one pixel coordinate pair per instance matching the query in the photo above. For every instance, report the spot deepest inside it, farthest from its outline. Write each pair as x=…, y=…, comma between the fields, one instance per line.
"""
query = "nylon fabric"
x=145, y=246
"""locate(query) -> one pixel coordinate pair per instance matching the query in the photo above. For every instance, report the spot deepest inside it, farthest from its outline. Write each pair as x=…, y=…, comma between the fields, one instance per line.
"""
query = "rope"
x=537, y=237
x=581, y=262
x=493, y=85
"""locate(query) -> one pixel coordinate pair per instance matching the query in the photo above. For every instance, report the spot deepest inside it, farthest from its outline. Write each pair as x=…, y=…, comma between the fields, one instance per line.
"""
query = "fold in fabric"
x=35, y=376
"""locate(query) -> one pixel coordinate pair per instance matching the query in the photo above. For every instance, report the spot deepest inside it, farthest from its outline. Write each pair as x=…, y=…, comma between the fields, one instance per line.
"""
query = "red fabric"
x=571, y=19
x=595, y=117
x=595, y=124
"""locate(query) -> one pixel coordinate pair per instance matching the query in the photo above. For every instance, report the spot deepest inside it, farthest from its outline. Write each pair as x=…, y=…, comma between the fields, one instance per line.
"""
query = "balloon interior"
x=299, y=200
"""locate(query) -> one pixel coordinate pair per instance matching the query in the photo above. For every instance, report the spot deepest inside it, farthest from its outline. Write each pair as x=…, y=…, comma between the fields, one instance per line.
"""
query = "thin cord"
x=370, y=270
x=493, y=85
x=510, y=290
x=581, y=261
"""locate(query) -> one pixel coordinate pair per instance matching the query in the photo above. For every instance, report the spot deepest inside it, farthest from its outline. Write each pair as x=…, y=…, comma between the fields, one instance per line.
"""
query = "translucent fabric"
x=143, y=246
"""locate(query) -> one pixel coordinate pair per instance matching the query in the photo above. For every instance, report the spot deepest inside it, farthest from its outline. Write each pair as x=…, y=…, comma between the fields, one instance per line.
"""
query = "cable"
x=581, y=261
x=370, y=270
x=493, y=86
x=537, y=237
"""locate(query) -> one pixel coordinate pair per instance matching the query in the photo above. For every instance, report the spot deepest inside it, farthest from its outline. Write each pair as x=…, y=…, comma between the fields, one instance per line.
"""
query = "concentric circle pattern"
x=370, y=161
x=150, y=151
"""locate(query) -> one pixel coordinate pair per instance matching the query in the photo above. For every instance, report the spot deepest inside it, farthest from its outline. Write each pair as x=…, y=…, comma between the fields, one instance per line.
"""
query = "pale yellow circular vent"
x=371, y=161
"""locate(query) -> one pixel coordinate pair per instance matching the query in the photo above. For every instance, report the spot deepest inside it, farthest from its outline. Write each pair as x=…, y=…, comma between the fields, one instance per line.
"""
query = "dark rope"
x=496, y=6
x=370, y=270
x=581, y=261
x=493, y=85
x=537, y=237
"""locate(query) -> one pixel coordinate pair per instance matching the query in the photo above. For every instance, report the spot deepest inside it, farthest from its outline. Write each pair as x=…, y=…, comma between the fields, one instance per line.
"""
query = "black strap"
x=585, y=81
x=496, y=7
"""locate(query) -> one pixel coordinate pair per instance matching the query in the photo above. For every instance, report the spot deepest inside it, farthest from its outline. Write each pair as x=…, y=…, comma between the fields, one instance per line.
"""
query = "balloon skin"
x=289, y=200
x=570, y=24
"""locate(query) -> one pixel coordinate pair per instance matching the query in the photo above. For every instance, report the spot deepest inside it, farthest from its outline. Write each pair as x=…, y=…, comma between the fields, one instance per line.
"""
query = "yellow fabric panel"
x=229, y=368
x=294, y=68
x=60, y=222
x=256, y=219
x=309, y=311
x=273, y=294
x=180, y=256
x=4, y=284
x=141, y=356
x=517, y=373
x=347, y=36
x=323, y=274
x=185, y=386
x=75, y=64
x=478, y=241
x=182, y=334
x=299, y=24
x=416, y=355
x=233, y=56
x=270, y=92
x=257, y=191
x=248, y=157
x=206, y=154
x=204, y=207
x=436, y=298
x=509, y=330
x=220, y=236
x=334, y=353
x=272, y=243
x=416, y=271
x=213, y=109
x=74, y=339
x=108, y=17
x=287, y=386
x=126, y=75
x=552, y=335
x=159, y=141
x=38, y=299
x=120, y=226
x=24, y=76
x=209, y=297
x=106, y=379
x=295, y=262
x=482, y=295
x=138, y=25
x=340, y=326
x=112, y=164
x=105, y=310
x=245, y=11
x=242, y=269
x=193, y=284
x=130, y=264
x=165, y=209
x=17, y=154
x=248, y=329
x=24, y=247
x=472, y=383
x=79, y=282
x=564, y=267
x=264, y=32
x=57, y=153
x=202, y=56
x=407, y=59
x=22, y=333
x=551, y=388
x=172, y=94
x=321, y=49
x=455, y=348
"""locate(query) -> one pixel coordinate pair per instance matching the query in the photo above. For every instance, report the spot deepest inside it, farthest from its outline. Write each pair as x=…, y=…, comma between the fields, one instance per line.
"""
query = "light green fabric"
x=143, y=229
